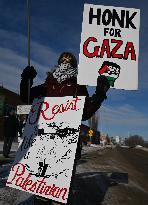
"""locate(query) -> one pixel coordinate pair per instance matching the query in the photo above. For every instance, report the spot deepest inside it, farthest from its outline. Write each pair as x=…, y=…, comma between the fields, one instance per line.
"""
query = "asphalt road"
x=104, y=177
x=135, y=163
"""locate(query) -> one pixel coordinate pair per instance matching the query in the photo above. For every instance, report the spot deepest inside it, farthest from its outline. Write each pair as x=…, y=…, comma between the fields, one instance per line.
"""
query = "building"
x=105, y=139
x=117, y=139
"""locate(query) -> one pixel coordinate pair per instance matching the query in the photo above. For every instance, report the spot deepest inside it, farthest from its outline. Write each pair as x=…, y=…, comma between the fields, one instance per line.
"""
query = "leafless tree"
x=134, y=140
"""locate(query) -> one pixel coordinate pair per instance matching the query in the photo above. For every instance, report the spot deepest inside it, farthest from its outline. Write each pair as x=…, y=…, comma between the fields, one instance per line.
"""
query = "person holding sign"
x=63, y=82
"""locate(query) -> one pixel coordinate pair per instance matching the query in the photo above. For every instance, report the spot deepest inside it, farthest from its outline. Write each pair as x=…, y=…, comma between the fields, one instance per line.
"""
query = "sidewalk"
x=9, y=196
x=3, y=160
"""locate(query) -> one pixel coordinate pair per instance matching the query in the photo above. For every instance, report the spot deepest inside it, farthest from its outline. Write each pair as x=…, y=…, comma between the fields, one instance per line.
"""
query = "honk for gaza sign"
x=44, y=161
x=109, y=46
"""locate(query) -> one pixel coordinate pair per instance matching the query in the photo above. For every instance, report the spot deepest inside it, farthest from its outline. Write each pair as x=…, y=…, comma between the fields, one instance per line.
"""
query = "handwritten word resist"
x=49, y=113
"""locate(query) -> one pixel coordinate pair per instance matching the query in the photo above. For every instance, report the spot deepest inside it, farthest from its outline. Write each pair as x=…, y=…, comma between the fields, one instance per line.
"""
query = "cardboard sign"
x=44, y=161
x=23, y=109
x=109, y=46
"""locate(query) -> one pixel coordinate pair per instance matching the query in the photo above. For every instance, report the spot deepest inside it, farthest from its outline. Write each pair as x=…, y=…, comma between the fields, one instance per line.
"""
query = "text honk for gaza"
x=109, y=17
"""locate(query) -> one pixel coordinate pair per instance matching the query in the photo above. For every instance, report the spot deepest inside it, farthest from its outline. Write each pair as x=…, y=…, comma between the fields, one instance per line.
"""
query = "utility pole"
x=28, y=25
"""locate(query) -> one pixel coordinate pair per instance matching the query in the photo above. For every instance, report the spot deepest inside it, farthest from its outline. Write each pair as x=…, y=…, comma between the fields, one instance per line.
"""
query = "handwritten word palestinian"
x=99, y=51
x=110, y=17
x=39, y=187
x=50, y=113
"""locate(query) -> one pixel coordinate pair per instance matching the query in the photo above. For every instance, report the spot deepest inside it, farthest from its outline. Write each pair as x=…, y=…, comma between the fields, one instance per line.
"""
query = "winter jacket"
x=69, y=87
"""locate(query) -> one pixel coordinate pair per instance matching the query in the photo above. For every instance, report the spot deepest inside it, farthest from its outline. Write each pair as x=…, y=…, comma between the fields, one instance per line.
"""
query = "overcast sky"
x=56, y=27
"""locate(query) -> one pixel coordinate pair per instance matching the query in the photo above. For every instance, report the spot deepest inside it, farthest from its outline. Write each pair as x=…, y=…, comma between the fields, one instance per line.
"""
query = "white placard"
x=109, y=46
x=44, y=160
x=23, y=109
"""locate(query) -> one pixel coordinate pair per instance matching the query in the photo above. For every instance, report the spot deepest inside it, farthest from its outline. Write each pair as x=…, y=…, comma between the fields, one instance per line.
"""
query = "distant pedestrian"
x=11, y=127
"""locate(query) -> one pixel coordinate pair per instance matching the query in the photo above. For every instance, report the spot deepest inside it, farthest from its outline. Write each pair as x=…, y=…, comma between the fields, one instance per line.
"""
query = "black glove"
x=102, y=86
x=29, y=72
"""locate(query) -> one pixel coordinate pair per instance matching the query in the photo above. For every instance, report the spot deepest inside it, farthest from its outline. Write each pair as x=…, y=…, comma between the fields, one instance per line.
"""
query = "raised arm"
x=27, y=76
x=92, y=104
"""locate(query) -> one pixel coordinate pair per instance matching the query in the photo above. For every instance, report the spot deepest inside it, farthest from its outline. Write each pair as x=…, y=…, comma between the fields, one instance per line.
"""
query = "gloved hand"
x=102, y=86
x=29, y=72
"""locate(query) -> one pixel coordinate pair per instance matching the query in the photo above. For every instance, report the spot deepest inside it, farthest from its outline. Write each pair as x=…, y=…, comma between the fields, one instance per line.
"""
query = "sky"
x=56, y=27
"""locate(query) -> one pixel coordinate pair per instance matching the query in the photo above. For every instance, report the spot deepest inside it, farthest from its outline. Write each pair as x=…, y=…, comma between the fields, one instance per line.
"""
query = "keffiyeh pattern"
x=64, y=71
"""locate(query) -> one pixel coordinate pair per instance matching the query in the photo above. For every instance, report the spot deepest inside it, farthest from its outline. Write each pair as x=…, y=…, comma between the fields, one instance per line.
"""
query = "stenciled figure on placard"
x=62, y=81
x=111, y=71
x=49, y=163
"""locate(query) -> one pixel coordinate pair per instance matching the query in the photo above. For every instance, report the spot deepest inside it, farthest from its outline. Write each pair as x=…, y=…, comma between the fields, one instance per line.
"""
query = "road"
x=104, y=177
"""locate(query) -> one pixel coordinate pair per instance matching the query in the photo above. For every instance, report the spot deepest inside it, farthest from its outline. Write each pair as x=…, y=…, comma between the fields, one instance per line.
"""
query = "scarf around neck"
x=64, y=72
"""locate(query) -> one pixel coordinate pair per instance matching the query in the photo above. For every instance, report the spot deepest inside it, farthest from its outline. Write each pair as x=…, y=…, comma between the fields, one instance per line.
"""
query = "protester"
x=11, y=127
x=63, y=82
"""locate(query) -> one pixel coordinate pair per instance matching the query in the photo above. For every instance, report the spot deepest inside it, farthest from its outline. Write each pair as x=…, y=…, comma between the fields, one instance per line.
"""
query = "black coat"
x=69, y=87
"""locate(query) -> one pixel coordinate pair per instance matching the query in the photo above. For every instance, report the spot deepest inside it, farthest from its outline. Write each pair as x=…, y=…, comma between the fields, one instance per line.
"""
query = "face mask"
x=64, y=66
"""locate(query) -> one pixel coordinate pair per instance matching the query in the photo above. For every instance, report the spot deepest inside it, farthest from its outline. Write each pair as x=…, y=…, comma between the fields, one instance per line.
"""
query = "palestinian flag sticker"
x=111, y=71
